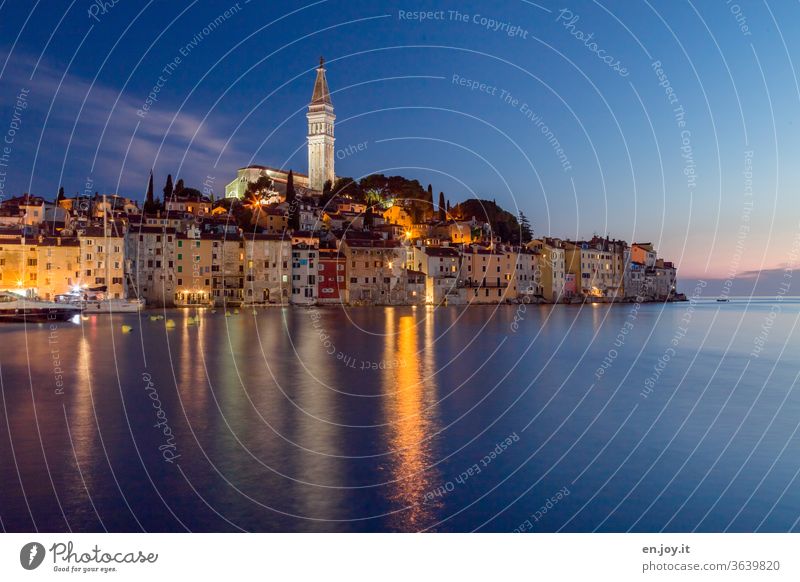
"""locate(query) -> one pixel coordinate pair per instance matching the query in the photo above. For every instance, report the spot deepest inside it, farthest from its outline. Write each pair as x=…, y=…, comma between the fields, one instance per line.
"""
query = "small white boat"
x=94, y=300
x=16, y=308
x=113, y=306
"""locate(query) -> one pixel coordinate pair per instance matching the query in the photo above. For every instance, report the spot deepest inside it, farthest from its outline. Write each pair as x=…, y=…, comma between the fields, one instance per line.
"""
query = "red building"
x=569, y=285
x=332, y=279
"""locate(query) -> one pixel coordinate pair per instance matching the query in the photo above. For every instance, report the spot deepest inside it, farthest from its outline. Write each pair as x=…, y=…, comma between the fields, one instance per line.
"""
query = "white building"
x=321, y=154
x=305, y=265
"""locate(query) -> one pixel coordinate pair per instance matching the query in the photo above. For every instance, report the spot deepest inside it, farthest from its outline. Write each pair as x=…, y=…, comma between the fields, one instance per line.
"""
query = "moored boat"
x=94, y=300
x=15, y=308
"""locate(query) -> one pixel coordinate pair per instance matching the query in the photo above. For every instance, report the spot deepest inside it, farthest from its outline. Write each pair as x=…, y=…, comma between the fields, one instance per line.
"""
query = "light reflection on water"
x=276, y=434
x=410, y=412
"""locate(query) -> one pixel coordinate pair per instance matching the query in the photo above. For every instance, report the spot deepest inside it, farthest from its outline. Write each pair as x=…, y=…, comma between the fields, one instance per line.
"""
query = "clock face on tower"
x=320, y=133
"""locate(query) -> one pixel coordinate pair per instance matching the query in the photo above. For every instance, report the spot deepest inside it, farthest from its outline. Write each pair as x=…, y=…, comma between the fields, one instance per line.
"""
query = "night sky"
x=646, y=131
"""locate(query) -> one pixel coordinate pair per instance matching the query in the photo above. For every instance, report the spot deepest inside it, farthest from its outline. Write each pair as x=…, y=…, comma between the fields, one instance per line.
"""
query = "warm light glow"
x=410, y=416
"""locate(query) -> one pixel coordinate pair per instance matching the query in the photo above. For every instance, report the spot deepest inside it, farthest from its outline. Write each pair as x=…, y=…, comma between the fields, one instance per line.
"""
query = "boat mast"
x=105, y=244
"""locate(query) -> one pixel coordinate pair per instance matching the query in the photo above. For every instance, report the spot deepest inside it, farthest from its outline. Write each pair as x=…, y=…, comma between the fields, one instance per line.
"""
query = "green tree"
x=260, y=187
x=347, y=187
x=179, y=186
x=525, y=230
x=60, y=196
x=442, y=210
x=168, y=188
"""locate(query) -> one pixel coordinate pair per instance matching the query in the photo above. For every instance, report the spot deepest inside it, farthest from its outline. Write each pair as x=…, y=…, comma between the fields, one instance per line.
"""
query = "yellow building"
x=59, y=266
x=396, y=214
x=598, y=266
x=550, y=268
x=103, y=260
x=40, y=267
x=18, y=265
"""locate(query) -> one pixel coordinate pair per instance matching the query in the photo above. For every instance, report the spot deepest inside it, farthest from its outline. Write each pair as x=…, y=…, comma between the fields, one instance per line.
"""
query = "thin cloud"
x=106, y=122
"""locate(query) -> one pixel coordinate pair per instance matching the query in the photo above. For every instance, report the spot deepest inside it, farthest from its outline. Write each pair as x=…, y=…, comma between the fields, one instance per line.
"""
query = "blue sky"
x=239, y=92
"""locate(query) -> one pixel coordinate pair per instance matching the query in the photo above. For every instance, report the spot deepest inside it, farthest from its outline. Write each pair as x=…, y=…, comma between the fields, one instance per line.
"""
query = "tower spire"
x=321, y=95
x=320, y=133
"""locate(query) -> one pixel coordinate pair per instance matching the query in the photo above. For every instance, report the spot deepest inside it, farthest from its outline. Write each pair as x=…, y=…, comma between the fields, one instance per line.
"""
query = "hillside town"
x=279, y=237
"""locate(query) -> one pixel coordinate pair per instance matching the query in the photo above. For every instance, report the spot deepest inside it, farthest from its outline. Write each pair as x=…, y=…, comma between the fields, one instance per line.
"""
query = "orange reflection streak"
x=81, y=417
x=410, y=419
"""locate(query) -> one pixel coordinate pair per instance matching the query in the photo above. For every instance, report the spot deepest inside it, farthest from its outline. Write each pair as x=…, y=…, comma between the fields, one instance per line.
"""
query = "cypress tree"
x=442, y=211
x=291, y=200
x=168, y=189
x=368, y=218
x=149, y=201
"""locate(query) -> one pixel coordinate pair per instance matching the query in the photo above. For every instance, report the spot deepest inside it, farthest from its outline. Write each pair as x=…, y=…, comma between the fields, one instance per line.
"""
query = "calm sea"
x=677, y=417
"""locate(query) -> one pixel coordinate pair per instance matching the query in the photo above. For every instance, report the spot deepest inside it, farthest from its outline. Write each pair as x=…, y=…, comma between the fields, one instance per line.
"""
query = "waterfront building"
x=151, y=274
x=634, y=276
x=415, y=287
x=332, y=276
x=550, y=268
x=522, y=267
x=442, y=267
x=484, y=275
x=268, y=268
x=193, y=262
x=590, y=266
x=18, y=264
x=103, y=259
x=227, y=268
x=59, y=265
x=305, y=265
x=664, y=284
x=373, y=267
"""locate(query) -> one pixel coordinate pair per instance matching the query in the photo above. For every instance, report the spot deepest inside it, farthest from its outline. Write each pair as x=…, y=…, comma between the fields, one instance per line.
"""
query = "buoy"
x=191, y=320
x=126, y=329
x=227, y=314
x=236, y=311
x=85, y=317
x=170, y=323
x=153, y=318
x=213, y=311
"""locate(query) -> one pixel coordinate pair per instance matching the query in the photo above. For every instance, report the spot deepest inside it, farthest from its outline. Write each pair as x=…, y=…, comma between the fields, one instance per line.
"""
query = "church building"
x=321, y=154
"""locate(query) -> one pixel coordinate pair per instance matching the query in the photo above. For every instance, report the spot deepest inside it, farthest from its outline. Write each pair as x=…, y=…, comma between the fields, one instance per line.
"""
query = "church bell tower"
x=320, y=133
